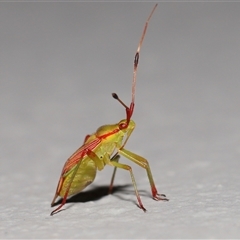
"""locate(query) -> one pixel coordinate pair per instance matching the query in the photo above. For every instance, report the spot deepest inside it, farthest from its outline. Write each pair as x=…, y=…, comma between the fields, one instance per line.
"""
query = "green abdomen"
x=84, y=176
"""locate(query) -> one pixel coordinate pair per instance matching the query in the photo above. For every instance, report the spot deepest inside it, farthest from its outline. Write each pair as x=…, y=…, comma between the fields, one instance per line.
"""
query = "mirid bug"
x=104, y=147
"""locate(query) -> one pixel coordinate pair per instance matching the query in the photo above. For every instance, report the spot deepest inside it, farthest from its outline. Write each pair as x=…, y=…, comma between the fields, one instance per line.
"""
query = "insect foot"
x=159, y=197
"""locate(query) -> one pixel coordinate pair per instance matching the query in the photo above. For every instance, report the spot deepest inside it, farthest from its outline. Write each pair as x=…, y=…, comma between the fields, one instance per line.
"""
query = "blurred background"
x=59, y=64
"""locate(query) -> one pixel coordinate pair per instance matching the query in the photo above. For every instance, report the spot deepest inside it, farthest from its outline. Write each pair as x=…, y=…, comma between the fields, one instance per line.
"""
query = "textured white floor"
x=59, y=64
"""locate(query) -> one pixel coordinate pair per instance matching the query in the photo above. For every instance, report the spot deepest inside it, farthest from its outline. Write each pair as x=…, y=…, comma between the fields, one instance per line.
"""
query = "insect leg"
x=115, y=158
x=99, y=162
x=142, y=162
x=66, y=193
x=126, y=167
x=86, y=138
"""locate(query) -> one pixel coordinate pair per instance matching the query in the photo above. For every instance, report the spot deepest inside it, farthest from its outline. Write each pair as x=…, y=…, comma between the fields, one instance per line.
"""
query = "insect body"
x=104, y=147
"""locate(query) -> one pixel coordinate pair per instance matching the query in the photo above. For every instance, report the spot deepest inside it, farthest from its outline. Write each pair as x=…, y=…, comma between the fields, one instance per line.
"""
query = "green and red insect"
x=104, y=147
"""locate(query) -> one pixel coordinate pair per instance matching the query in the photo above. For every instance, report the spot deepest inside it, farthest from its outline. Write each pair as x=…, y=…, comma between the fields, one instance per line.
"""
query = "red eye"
x=122, y=125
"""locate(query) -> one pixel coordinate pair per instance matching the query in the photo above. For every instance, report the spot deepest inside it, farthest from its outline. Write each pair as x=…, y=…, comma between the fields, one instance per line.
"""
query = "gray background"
x=59, y=64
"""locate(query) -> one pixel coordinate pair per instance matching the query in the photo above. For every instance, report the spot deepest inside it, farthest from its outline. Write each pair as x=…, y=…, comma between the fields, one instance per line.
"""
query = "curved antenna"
x=129, y=110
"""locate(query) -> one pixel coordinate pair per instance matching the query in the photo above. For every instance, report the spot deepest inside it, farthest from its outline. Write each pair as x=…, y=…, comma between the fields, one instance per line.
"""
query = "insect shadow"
x=97, y=193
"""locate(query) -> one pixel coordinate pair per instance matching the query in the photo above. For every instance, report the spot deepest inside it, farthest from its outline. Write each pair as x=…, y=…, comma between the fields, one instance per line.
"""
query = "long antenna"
x=136, y=58
x=129, y=110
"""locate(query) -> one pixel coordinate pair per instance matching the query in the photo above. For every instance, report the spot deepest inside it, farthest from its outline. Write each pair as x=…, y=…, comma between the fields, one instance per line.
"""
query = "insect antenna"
x=129, y=110
x=117, y=98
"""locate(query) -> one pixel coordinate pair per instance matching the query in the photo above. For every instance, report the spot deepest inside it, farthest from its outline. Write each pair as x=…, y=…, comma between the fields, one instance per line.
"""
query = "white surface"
x=59, y=64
